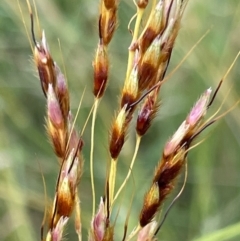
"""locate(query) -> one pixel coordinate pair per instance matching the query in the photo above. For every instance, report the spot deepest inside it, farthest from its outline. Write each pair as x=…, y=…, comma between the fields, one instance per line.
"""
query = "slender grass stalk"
x=91, y=156
x=138, y=141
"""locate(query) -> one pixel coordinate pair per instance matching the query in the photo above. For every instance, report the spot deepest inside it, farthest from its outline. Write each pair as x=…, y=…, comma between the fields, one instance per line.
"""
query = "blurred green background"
x=209, y=208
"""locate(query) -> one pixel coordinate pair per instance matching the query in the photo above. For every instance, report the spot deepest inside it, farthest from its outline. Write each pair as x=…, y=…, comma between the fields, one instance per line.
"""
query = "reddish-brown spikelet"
x=68, y=180
x=130, y=92
x=55, y=123
x=54, y=110
x=118, y=132
x=153, y=28
x=165, y=174
x=62, y=94
x=148, y=66
x=147, y=112
x=147, y=75
x=168, y=40
x=164, y=24
x=108, y=21
x=116, y=142
x=100, y=66
x=167, y=171
x=65, y=199
x=173, y=158
x=45, y=65
x=150, y=205
x=189, y=127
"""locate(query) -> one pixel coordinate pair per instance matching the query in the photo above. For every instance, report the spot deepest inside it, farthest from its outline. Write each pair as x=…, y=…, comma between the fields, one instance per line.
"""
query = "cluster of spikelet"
x=149, y=56
x=65, y=139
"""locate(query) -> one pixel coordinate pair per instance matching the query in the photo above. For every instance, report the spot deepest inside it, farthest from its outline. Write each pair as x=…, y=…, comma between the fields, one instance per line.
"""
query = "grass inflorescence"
x=125, y=204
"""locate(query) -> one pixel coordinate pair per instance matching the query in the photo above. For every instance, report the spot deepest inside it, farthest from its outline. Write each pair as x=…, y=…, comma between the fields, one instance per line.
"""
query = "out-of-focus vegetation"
x=209, y=207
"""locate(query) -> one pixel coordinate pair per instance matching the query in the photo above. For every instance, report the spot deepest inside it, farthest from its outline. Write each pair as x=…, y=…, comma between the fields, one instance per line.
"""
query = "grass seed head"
x=199, y=110
x=153, y=28
x=118, y=133
x=147, y=113
x=130, y=91
x=149, y=55
x=189, y=126
x=148, y=67
x=65, y=201
x=55, y=123
x=62, y=93
x=108, y=21
x=150, y=205
x=167, y=171
x=98, y=224
x=45, y=64
x=66, y=188
x=53, y=108
x=163, y=183
x=176, y=140
x=100, y=66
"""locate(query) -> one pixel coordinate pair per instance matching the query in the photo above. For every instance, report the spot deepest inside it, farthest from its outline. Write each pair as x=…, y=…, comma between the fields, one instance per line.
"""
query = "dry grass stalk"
x=149, y=56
